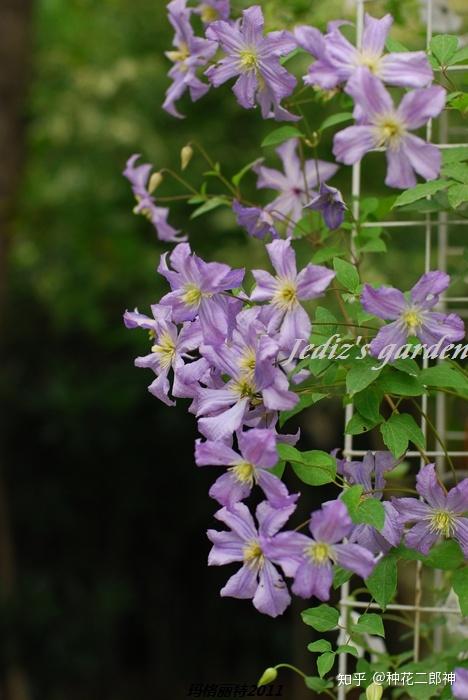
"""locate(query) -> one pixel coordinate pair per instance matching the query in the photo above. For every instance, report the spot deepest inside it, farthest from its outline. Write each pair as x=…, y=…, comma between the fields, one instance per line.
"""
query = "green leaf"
x=368, y=404
x=392, y=382
x=398, y=431
x=313, y=467
x=278, y=470
x=340, y=576
x=443, y=48
x=209, y=205
x=351, y=497
x=454, y=155
x=325, y=254
x=457, y=171
x=236, y=179
x=460, y=586
x=444, y=375
x=357, y=425
x=318, y=685
x=459, y=101
x=320, y=645
x=322, y=618
x=280, y=135
x=335, y=119
x=325, y=662
x=458, y=194
x=395, y=46
x=460, y=56
x=420, y=191
x=360, y=376
x=369, y=623
x=446, y=556
x=371, y=512
x=346, y=274
x=382, y=583
x=347, y=649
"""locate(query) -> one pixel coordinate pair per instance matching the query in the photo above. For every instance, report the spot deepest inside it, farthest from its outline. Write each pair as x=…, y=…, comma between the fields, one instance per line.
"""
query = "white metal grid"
x=441, y=225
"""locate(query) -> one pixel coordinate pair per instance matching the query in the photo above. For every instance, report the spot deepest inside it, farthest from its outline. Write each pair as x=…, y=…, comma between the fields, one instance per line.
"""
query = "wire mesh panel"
x=436, y=231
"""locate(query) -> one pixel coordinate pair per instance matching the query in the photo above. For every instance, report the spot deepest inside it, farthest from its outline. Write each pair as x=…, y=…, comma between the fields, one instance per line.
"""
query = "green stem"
x=437, y=437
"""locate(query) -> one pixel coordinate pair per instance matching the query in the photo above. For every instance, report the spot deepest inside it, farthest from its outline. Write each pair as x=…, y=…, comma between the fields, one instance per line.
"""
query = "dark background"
x=105, y=592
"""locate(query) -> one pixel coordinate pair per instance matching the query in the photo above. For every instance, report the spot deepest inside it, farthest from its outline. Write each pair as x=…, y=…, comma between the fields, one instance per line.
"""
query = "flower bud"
x=155, y=181
x=374, y=691
x=185, y=156
x=269, y=675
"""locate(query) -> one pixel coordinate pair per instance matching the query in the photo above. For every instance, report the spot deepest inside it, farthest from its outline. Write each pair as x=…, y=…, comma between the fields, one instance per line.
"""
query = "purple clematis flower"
x=287, y=289
x=381, y=125
x=370, y=474
x=255, y=381
x=257, y=578
x=330, y=202
x=139, y=176
x=255, y=59
x=460, y=687
x=212, y=10
x=257, y=456
x=412, y=317
x=191, y=53
x=310, y=561
x=295, y=186
x=338, y=58
x=258, y=222
x=169, y=350
x=440, y=514
x=197, y=289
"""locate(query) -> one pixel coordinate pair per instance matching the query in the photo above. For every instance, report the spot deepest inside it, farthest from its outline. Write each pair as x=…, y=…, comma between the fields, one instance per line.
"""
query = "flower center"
x=390, y=130
x=248, y=59
x=244, y=473
x=248, y=362
x=253, y=555
x=245, y=388
x=192, y=295
x=370, y=60
x=166, y=349
x=412, y=320
x=443, y=522
x=319, y=553
x=285, y=296
x=181, y=55
x=208, y=13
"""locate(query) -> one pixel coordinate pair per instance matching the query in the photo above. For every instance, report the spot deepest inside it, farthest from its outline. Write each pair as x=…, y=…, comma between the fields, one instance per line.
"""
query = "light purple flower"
x=440, y=514
x=460, y=687
x=338, y=58
x=139, y=176
x=197, y=288
x=296, y=185
x=330, y=202
x=255, y=59
x=258, y=455
x=258, y=223
x=255, y=382
x=412, y=317
x=370, y=474
x=383, y=125
x=257, y=578
x=310, y=561
x=287, y=289
x=212, y=10
x=169, y=349
x=191, y=53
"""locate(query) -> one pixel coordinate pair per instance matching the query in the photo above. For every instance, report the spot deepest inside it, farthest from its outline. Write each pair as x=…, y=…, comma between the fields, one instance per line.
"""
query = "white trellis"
x=436, y=243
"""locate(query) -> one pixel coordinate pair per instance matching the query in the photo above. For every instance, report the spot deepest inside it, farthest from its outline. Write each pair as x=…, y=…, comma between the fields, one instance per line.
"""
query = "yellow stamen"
x=166, y=348
x=443, y=522
x=244, y=388
x=181, y=55
x=248, y=59
x=192, y=295
x=390, y=130
x=247, y=363
x=208, y=13
x=244, y=472
x=253, y=555
x=412, y=319
x=285, y=296
x=371, y=61
x=319, y=552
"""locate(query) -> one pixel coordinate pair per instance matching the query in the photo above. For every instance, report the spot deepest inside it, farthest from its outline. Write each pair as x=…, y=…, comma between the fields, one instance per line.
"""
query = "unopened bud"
x=155, y=181
x=185, y=156
x=374, y=691
x=268, y=676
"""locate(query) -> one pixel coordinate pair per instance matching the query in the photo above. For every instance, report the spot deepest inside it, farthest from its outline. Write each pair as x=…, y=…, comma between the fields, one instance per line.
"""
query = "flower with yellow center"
x=443, y=522
x=370, y=61
x=390, y=130
x=319, y=552
x=248, y=362
x=208, y=14
x=248, y=59
x=412, y=320
x=181, y=55
x=244, y=388
x=166, y=349
x=253, y=555
x=285, y=296
x=192, y=295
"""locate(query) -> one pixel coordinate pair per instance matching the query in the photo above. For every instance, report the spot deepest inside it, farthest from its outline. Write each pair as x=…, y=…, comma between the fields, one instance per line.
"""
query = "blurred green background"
x=105, y=590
